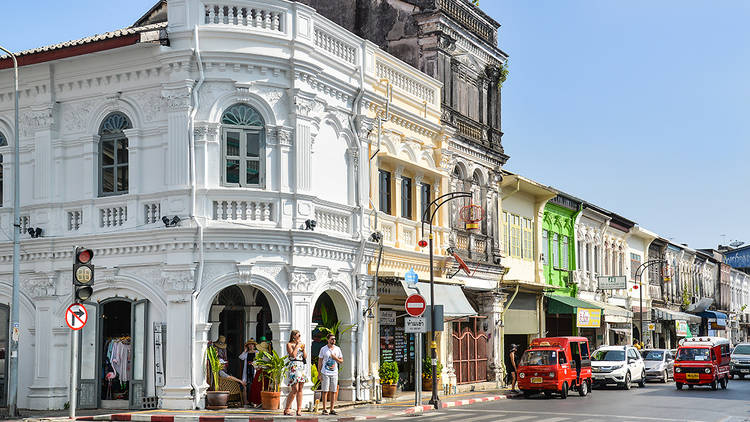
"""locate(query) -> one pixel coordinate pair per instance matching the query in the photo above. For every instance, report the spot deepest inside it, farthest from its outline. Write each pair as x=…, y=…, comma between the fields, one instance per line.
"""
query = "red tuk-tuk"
x=702, y=361
x=555, y=365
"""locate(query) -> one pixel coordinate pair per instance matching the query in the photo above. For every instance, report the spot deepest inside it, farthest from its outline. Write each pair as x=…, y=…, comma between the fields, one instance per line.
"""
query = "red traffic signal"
x=83, y=255
x=83, y=274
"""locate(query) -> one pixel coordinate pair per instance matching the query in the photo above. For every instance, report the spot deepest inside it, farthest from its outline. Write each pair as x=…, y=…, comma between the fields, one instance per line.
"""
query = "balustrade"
x=243, y=210
x=259, y=17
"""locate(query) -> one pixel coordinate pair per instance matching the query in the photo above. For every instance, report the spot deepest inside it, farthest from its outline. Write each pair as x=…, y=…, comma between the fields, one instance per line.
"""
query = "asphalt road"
x=655, y=402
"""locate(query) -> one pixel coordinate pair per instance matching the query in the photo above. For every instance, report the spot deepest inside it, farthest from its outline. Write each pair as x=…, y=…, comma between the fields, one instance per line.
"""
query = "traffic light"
x=83, y=274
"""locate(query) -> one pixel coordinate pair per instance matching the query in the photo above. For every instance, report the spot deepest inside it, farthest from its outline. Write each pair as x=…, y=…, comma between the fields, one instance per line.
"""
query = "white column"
x=177, y=392
x=251, y=321
x=135, y=168
x=199, y=356
x=48, y=386
x=213, y=319
x=178, y=100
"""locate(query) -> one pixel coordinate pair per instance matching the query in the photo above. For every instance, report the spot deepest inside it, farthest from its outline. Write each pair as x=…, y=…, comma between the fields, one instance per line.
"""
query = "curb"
x=136, y=417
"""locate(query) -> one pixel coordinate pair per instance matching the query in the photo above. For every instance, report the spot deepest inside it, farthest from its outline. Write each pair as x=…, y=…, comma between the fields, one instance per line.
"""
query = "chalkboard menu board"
x=387, y=343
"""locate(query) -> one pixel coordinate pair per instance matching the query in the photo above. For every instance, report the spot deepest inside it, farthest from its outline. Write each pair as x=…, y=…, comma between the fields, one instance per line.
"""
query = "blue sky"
x=640, y=107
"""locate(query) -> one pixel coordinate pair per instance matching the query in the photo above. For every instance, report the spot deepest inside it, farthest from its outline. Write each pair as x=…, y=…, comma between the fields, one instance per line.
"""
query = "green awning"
x=567, y=305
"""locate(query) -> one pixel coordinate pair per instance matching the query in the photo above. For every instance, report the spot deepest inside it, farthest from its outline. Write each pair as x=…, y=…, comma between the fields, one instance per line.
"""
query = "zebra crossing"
x=486, y=415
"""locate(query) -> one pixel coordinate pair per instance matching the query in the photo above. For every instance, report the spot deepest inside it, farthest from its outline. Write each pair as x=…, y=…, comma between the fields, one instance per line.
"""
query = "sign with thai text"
x=612, y=282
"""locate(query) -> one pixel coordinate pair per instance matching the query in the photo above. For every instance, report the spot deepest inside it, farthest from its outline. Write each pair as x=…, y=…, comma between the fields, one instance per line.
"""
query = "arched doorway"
x=325, y=320
x=240, y=313
x=113, y=354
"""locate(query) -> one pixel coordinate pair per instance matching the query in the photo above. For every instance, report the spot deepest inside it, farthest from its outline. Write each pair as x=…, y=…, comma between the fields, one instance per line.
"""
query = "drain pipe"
x=193, y=181
x=360, y=255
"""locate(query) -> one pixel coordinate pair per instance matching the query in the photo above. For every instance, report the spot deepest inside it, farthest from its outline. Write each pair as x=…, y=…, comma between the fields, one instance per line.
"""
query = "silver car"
x=659, y=364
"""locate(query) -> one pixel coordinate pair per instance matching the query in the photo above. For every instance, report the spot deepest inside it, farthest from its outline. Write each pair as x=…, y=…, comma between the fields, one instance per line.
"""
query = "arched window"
x=243, y=147
x=113, y=155
x=3, y=143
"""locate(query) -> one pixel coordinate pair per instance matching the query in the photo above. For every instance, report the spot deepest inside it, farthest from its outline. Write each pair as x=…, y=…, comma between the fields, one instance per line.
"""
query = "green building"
x=558, y=254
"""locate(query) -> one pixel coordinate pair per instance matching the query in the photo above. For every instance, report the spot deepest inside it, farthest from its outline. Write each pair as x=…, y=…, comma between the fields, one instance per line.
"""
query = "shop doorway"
x=4, y=347
x=112, y=358
x=520, y=340
x=325, y=320
x=469, y=351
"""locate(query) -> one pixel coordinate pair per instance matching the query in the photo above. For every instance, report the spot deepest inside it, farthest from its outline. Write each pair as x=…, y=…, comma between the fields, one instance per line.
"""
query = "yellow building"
x=522, y=212
x=408, y=168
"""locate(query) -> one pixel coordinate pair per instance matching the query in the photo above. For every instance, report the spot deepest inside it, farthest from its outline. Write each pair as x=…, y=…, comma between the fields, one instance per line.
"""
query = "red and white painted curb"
x=145, y=417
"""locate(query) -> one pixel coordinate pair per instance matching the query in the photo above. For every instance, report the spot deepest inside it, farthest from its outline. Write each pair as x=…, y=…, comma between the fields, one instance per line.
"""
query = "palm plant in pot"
x=215, y=399
x=388, y=373
x=273, y=367
x=427, y=376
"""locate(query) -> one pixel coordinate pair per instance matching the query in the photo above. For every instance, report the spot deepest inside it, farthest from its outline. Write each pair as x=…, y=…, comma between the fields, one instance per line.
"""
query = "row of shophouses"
x=245, y=168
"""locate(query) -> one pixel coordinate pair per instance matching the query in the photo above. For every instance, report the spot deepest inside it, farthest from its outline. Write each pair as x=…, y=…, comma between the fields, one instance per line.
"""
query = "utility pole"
x=15, y=328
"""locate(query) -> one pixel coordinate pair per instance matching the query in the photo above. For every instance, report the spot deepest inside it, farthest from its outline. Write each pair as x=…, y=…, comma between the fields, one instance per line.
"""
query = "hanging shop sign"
x=612, y=283
x=160, y=333
x=681, y=328
x=589, y=318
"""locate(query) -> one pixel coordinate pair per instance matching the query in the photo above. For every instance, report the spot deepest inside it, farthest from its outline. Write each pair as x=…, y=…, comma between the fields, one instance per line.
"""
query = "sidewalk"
x=403, y=405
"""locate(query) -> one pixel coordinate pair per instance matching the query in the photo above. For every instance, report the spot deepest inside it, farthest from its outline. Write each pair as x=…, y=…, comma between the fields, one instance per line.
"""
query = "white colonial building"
x=211, y=157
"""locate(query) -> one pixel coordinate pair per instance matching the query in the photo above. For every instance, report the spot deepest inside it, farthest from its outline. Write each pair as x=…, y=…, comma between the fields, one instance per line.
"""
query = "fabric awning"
x=567, y=305
x=451, y=296
x=612, y=310
x=669, y=315
x=621, y=330
x=713, y=314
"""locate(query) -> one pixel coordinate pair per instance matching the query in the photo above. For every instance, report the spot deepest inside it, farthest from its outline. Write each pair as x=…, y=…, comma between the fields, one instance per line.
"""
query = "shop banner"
x=681, y=328
x=591, y=318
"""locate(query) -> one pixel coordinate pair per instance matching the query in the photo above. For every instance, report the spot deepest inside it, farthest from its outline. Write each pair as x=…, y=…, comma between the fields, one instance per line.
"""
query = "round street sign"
x=415, y=305
x=76, y=316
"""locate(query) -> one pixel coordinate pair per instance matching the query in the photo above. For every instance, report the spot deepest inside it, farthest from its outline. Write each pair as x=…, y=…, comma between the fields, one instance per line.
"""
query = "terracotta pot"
x=270, y=400
x=216, y=400
x=389, y=390
x=427, y=384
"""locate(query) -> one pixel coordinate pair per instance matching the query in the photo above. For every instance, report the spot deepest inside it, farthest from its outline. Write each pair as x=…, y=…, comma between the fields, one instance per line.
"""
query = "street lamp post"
x=437, y=202
x=638, y=276
x=14, y=329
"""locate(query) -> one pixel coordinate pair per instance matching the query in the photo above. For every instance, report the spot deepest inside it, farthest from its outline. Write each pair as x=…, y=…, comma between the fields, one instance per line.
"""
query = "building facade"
x=224, y=157
x=604, y=238
x=523, y=208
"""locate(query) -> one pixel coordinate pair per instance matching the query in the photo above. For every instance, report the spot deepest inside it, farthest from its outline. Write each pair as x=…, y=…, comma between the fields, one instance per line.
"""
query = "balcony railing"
x=256, y=16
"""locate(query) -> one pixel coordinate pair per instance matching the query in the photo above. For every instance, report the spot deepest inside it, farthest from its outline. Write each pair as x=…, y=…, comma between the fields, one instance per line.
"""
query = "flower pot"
x=270, y=400
x=389, y=390
x=216, y=400
x=427, y=384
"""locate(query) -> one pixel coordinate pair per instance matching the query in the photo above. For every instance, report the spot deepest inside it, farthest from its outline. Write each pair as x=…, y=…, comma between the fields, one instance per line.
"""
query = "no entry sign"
x=76, y=316
x=415, y=305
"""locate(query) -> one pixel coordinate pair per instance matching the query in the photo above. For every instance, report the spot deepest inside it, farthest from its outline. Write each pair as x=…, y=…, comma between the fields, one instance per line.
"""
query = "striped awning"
x=670, y=315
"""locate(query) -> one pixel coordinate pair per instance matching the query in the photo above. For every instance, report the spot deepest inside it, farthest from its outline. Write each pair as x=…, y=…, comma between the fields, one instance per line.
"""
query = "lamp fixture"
x=34, y=232
x=310, y=225
x=171, y=223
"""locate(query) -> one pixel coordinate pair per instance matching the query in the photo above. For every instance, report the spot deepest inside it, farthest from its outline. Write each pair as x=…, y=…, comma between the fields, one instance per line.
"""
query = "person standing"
x=295, y=377
x=329, y=359
x=248, y=369
x=512, y=366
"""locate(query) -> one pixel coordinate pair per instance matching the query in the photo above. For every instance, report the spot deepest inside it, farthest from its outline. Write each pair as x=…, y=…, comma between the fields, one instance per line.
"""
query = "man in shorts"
x=329, y=359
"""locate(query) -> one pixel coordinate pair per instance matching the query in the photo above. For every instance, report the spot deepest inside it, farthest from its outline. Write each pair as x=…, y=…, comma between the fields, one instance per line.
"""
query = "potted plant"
x=388, y=378
x=315, y=379
x=215, y=399
x=273, y=367
x=427, y=378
